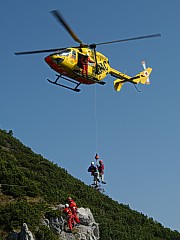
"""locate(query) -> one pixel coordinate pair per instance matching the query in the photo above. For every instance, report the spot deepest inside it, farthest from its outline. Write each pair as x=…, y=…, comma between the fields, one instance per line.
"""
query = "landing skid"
x=75, y=89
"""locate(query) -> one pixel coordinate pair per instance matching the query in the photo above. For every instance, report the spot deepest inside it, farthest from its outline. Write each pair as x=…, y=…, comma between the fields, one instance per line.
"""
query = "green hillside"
x=30, y=184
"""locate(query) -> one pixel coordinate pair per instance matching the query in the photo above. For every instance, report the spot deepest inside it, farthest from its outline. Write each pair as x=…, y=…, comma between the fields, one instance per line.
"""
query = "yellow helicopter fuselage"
x=67, y=63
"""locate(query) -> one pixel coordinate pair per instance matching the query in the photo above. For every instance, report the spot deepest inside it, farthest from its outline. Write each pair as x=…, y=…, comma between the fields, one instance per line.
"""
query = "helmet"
x=66, y=205
x=100, y=161
x=92, y=163
x=69, y=198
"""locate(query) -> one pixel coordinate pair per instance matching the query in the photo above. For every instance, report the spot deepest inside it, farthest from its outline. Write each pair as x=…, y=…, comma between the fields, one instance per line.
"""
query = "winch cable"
x=95, y=117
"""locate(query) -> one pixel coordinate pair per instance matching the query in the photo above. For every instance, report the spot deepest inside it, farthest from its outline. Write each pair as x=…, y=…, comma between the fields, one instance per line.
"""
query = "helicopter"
x=68, y=63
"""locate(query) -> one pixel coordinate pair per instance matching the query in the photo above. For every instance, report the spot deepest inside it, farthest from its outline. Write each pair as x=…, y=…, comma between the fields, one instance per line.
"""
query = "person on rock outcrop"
x=69, y=216
x=73, y=207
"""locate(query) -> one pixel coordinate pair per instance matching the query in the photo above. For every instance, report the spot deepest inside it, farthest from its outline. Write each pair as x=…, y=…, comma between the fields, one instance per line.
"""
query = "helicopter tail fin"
x=118, y=85
x=142, y=77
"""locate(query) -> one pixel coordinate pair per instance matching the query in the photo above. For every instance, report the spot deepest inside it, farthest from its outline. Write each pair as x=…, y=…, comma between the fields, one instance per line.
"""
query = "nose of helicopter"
x=48, y=60
x=54, y=63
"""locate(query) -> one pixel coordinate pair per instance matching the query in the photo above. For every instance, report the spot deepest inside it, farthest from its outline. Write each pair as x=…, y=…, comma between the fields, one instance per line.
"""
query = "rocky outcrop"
x=88, y=229
x=25, y=234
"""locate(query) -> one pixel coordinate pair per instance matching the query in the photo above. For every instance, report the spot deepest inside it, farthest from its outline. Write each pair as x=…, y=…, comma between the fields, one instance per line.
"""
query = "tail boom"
x=142, y=77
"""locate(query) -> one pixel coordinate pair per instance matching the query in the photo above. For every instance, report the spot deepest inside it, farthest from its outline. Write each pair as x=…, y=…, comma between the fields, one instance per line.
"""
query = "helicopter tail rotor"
x=145, y=72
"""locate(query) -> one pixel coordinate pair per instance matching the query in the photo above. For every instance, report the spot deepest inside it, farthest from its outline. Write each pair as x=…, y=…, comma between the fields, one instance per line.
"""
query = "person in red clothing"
x=73, y=207
x=101, y=171
x=85, y=60
x=69, y=216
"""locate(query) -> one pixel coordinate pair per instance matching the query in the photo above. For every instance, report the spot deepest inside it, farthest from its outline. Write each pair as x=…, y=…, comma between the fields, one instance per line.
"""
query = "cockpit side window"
x=74, y=54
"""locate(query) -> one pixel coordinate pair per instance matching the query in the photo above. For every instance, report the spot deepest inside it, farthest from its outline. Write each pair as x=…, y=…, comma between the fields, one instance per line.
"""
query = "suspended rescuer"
x=94, y=172
x=100, y=169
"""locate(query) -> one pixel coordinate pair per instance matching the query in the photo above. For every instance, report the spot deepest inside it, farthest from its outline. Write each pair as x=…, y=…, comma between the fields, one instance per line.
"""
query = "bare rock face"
x=86, y=216
x=88, y=229
x=88, y=226
x=25, y=234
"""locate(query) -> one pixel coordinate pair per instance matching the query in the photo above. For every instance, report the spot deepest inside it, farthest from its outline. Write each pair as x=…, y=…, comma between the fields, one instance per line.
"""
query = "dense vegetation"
x=30, y=184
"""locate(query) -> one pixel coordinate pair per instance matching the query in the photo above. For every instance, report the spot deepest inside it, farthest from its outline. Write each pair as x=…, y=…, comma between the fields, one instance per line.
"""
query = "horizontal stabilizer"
x=118, y=85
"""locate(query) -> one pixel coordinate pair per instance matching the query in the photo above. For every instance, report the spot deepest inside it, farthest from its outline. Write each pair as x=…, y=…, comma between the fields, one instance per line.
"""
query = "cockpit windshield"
x=65, y=52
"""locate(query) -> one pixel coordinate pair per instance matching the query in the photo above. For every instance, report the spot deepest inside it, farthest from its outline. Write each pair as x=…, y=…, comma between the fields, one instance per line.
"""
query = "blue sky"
x=137, y=134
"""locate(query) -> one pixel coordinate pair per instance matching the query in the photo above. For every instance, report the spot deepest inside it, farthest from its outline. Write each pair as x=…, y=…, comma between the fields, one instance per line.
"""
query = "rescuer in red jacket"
x=101, y=171
x=69, y=215
x=73, y=207
x=85, y=60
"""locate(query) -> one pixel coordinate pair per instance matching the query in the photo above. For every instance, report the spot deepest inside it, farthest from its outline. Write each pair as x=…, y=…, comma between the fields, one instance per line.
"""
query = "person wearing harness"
x=73, y=207
x=94, y=172
x=101, y=171
x=69, y=216
x=85, y=60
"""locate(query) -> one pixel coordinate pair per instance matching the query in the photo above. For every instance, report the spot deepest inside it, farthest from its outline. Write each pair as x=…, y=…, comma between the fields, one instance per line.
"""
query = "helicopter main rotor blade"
x=39, y=51
x=60, y=19
x=130, y=39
